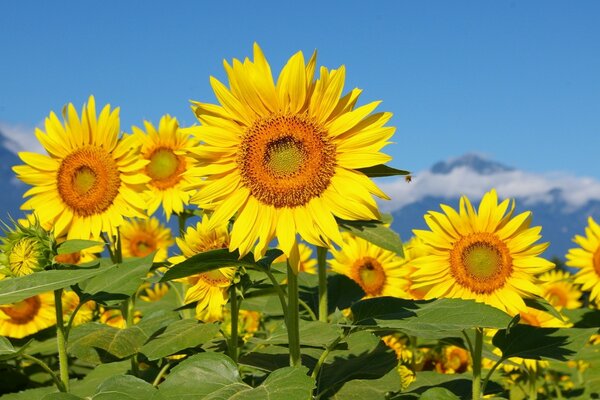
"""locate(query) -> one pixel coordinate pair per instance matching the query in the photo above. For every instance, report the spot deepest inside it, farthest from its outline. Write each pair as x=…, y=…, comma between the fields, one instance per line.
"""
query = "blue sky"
x=518, y=81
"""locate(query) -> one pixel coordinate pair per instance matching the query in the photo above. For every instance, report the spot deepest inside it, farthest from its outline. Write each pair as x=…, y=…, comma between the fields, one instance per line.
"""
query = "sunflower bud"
x=25, y=248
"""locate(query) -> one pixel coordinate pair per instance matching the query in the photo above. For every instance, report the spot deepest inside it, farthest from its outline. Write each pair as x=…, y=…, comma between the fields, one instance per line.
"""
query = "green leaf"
x=72, y=246
x=7, y=351
x=215, y=376
x=61, y=396
x=16, y=289
x=539, y=303
x=430, y=319
x=30, y=394
x=86, y=387
x=438, y=394
x=118, y=281
x=360, y=389
x=178, y=336
x=382, y=170
x=312, y=333
x=375, y=232
x=215, y=259
x=126, y=387
x=535, y=343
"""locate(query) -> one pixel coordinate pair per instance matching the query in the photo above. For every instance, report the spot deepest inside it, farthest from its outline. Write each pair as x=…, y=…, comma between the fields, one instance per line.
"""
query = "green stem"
x=280, y=293
x=160, y=375
x=129, y=308
x=46, y=368
x=323, y=307
x=490, y=373
x=72, y=318
x=476, y=357
x=308, y=309
x=324, y=355
x=61, y=341
x=293, y=317
x=233, y=339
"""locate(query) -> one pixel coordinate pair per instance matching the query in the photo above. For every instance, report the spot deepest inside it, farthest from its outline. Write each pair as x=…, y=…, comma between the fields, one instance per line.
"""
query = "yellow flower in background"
x=535, y=317
x=209, y=289
x=413, y=249
x=25, y=248
x=28, y=316
x=453, y=360
x=142, y=237
x=90, y=178
x=560, y=291
x=377, y=271
x=586, y=258
x=307, y=263
x=114, y=317
x=285, y=156
x=486, y=255
x=154, y=291
x=165, y=149
x=248, y=323
x=70, y=302
x=400, y=346
x=79, y=257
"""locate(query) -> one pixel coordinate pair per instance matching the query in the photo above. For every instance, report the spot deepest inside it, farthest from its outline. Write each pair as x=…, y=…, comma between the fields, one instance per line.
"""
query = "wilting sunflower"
x=377, y=271
x=286, y=156
x=141, y=237
x=560, y=291
x=486, y=255
x=209, y=289
x=587, y=259
x=90, y=178
x=165, y=149
x=28, y=316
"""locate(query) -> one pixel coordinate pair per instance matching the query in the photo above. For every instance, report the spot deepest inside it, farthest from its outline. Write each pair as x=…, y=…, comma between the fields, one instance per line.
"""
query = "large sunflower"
x=141, y=237
x=209, y=289
x=486, y=255
x=285, y=156
x=376, y=270
x=165, y=149
x=28, y=316
x=90, y=178
x=586, y=258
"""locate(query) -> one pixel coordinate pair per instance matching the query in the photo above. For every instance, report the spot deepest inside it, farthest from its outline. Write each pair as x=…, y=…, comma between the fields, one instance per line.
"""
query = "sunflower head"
x=287, y=152
x=25, y=248
x=487, y=255
x=140, y=237
x=560, y=291
x=28, y=316
x=586, y=258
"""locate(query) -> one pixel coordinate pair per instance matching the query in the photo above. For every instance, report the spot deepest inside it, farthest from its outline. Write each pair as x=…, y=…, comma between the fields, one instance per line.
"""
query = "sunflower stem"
x=61, y=341
x=293, y=317
x=235, y=311
x=59, y=384
x=161, y=374
x=476, y=357
x=280, y=294
x=323, y=307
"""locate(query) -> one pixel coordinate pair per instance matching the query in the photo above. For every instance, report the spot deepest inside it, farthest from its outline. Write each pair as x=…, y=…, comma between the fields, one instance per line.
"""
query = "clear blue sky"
x=517, y=80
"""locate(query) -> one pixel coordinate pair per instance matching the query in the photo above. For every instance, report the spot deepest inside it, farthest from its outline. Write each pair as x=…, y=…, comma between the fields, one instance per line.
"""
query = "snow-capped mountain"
x=560, y=203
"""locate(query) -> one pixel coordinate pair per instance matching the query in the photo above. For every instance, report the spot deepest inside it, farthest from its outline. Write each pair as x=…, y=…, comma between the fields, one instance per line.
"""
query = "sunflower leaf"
x=382, y=170
x=72, y=246
x=126, y=387
x=374, y=232
x=539, y=303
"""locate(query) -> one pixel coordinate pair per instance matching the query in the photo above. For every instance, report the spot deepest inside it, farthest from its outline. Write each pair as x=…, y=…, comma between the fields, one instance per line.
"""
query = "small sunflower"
x=142, y=237
x=560, y=291
x=377, y=271
x=165, y=148
x=286, y=156
x=586, y=258
x=487, y=255
x=26, y=248
x=209, y=289
x=70, y=302
x=453, y=360
x=154, y=291
x=90, y=178
x=114, y=317
x=413, y=249
x=28, y=316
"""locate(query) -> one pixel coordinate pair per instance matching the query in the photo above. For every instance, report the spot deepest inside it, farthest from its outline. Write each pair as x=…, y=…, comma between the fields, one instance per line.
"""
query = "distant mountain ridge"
x=12, y=188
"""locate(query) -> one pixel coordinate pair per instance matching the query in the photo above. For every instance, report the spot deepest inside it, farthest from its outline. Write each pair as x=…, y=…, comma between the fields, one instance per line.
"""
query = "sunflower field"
x=245, y=257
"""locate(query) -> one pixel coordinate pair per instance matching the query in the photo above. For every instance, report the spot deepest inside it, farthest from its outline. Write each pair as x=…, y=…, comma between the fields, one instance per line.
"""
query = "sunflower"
x=307, y=263
x=286, y=156
x=453, y=360
x=559, y=290
x=156, y=290
x=209, y=289
x=114, y=317
x=413, y=249
x=90, y=178
x=28, y=316
x=165, y=149
x=25, y=248
x=377, y=271
x=70, y=302
x=486, y=255
x=141, y=237
x=586, y=258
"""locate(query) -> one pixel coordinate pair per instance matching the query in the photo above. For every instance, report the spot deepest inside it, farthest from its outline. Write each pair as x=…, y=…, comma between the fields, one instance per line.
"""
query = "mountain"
x=13, y=189
x=559, y=203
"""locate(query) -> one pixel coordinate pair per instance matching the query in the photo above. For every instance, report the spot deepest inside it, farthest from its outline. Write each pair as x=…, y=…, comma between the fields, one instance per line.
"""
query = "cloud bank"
x=528, y=187
x=17, y=138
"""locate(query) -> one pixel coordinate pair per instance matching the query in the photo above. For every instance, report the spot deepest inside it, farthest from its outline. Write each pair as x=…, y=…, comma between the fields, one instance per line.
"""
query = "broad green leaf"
x=61, y=396
x=360, y=389
x=312, y=333
x=7, y=351
x=382, y=170
x=271, y=358
x=539, y=303
x=178, y=336
x=438, y=394
x=16, y=289
x=215, y=259
x=375, y=232
x=72, y=246
x=542, y=343
x=117, y=282
x=459, y=384
x=126, y=387
x=30, y=394
x=583, y=318
x=430, y=319
x=86, y=387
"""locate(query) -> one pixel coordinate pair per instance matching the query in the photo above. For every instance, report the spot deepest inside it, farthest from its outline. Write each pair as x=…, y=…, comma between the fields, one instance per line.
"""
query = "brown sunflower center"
x=165, y=168
x=24, y=311
x=286, y=160
x=70, y=258
x=369, y=274
x=214, y=278
x=557, y=297
x=142, y=244
x=88, y=180
x=481, y=262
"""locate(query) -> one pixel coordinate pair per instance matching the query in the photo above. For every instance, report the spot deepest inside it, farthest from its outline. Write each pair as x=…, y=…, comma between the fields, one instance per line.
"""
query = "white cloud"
x=17, y=138
x=529, y=187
